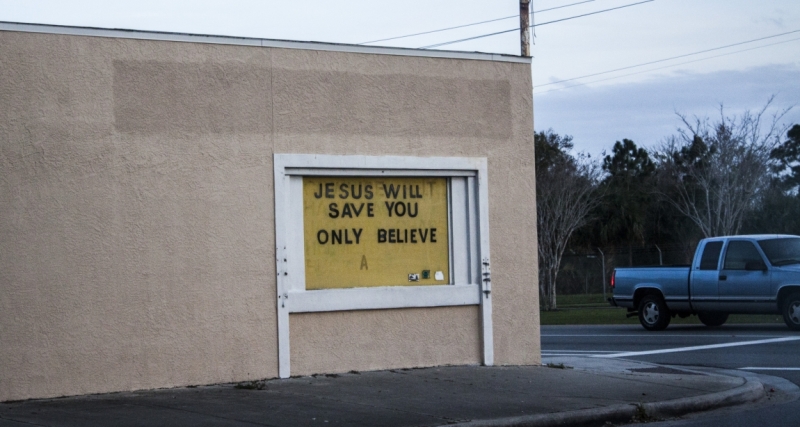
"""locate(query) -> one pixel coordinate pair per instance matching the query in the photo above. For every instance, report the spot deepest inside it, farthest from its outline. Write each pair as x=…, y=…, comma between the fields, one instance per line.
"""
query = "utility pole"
x=524, y=27
x=603, y=260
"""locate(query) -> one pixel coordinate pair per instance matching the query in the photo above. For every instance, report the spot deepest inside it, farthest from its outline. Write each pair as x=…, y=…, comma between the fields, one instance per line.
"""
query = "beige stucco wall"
x=136, y=207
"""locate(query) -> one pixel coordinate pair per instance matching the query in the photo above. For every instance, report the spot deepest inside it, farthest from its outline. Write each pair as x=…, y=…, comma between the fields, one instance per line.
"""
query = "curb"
x=749, y=392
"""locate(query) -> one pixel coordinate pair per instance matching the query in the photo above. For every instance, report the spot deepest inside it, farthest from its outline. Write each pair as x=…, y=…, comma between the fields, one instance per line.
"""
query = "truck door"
x=744, y=281
x=705, y=277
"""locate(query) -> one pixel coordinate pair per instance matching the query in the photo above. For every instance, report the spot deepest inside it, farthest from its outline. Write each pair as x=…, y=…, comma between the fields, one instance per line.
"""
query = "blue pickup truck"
x=755, y=274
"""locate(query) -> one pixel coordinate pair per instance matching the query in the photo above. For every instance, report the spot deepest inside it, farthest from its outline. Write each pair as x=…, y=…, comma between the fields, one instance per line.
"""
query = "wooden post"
x=524, y=27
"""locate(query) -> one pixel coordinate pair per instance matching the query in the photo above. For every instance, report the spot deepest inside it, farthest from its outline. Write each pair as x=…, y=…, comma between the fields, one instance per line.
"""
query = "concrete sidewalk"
x=589, y=392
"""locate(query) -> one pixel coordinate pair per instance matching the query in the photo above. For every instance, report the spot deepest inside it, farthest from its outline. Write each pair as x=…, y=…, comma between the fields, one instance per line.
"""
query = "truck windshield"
x=783, y=251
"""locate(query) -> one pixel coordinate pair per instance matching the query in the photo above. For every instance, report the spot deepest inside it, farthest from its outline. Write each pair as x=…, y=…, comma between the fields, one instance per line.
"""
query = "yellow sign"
x=375, y=231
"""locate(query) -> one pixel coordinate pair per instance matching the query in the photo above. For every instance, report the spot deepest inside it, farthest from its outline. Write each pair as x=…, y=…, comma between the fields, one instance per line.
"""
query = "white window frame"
x=469, y=244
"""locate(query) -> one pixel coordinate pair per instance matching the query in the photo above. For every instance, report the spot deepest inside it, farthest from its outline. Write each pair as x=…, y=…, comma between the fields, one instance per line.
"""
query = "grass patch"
x=587, y=316
x=251, y=385
x=590, y=309
x=558, y=366
x=582, y=300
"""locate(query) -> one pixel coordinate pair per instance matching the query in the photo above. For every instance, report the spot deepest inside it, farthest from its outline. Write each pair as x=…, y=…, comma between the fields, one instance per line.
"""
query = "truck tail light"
x=613, y=277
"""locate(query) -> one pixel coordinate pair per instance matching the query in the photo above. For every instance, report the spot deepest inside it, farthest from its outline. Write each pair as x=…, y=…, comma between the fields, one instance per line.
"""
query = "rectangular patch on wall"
x=156, y=97
x=375, y=231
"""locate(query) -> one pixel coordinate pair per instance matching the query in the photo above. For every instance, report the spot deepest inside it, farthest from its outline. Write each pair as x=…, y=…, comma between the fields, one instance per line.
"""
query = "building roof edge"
x=248, y=41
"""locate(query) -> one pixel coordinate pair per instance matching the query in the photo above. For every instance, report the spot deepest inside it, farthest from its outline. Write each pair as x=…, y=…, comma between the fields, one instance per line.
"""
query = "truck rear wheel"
x=713, y=319
x=791, y=311
x=653, y=313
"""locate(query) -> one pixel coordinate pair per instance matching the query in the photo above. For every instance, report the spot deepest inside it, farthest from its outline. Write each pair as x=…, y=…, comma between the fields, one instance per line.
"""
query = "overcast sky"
x=637, y=103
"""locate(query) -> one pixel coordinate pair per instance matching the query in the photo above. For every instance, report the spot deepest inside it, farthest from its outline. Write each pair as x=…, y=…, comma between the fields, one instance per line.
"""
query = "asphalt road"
x=770, y=351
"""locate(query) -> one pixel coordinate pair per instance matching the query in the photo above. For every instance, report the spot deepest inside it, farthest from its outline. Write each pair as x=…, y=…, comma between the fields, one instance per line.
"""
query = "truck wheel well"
x=785, y=292
x=641, y=292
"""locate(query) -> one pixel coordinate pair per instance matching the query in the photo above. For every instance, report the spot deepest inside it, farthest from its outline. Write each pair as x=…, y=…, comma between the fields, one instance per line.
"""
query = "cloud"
x=645, y=111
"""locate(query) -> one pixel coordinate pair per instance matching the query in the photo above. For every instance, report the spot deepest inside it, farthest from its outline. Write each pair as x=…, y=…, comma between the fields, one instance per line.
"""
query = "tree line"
x=734, y=174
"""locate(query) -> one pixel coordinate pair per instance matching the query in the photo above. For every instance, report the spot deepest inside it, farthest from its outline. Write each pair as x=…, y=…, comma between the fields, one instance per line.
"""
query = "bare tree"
x=715, y=172
x=565, y=194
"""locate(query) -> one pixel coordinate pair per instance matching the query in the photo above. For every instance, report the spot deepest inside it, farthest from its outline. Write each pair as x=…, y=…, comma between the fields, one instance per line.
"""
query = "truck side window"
x=739, y=253
x=710, y=256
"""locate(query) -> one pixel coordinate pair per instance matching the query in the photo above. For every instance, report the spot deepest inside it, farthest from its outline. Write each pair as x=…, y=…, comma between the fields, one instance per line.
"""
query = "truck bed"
x=672, y=280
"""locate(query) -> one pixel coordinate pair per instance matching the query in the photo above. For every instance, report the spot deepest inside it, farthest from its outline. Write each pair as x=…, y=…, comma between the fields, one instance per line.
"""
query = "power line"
x=669, y=59
x=666, y=66
x=474, y=23
x=532, y=26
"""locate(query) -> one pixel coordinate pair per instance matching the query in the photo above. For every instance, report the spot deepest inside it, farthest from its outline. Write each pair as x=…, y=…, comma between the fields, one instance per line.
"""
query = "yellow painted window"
x=375, y=231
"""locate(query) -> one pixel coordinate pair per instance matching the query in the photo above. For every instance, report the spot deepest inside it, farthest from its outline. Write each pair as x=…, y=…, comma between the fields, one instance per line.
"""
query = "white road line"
x=580, y=351
x=568, y=354
x=757, y=368
x=695, y=348
x=659, y=335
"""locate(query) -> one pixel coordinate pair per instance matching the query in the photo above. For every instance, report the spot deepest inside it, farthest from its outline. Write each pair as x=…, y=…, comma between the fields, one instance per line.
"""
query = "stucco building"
x=152, y=209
